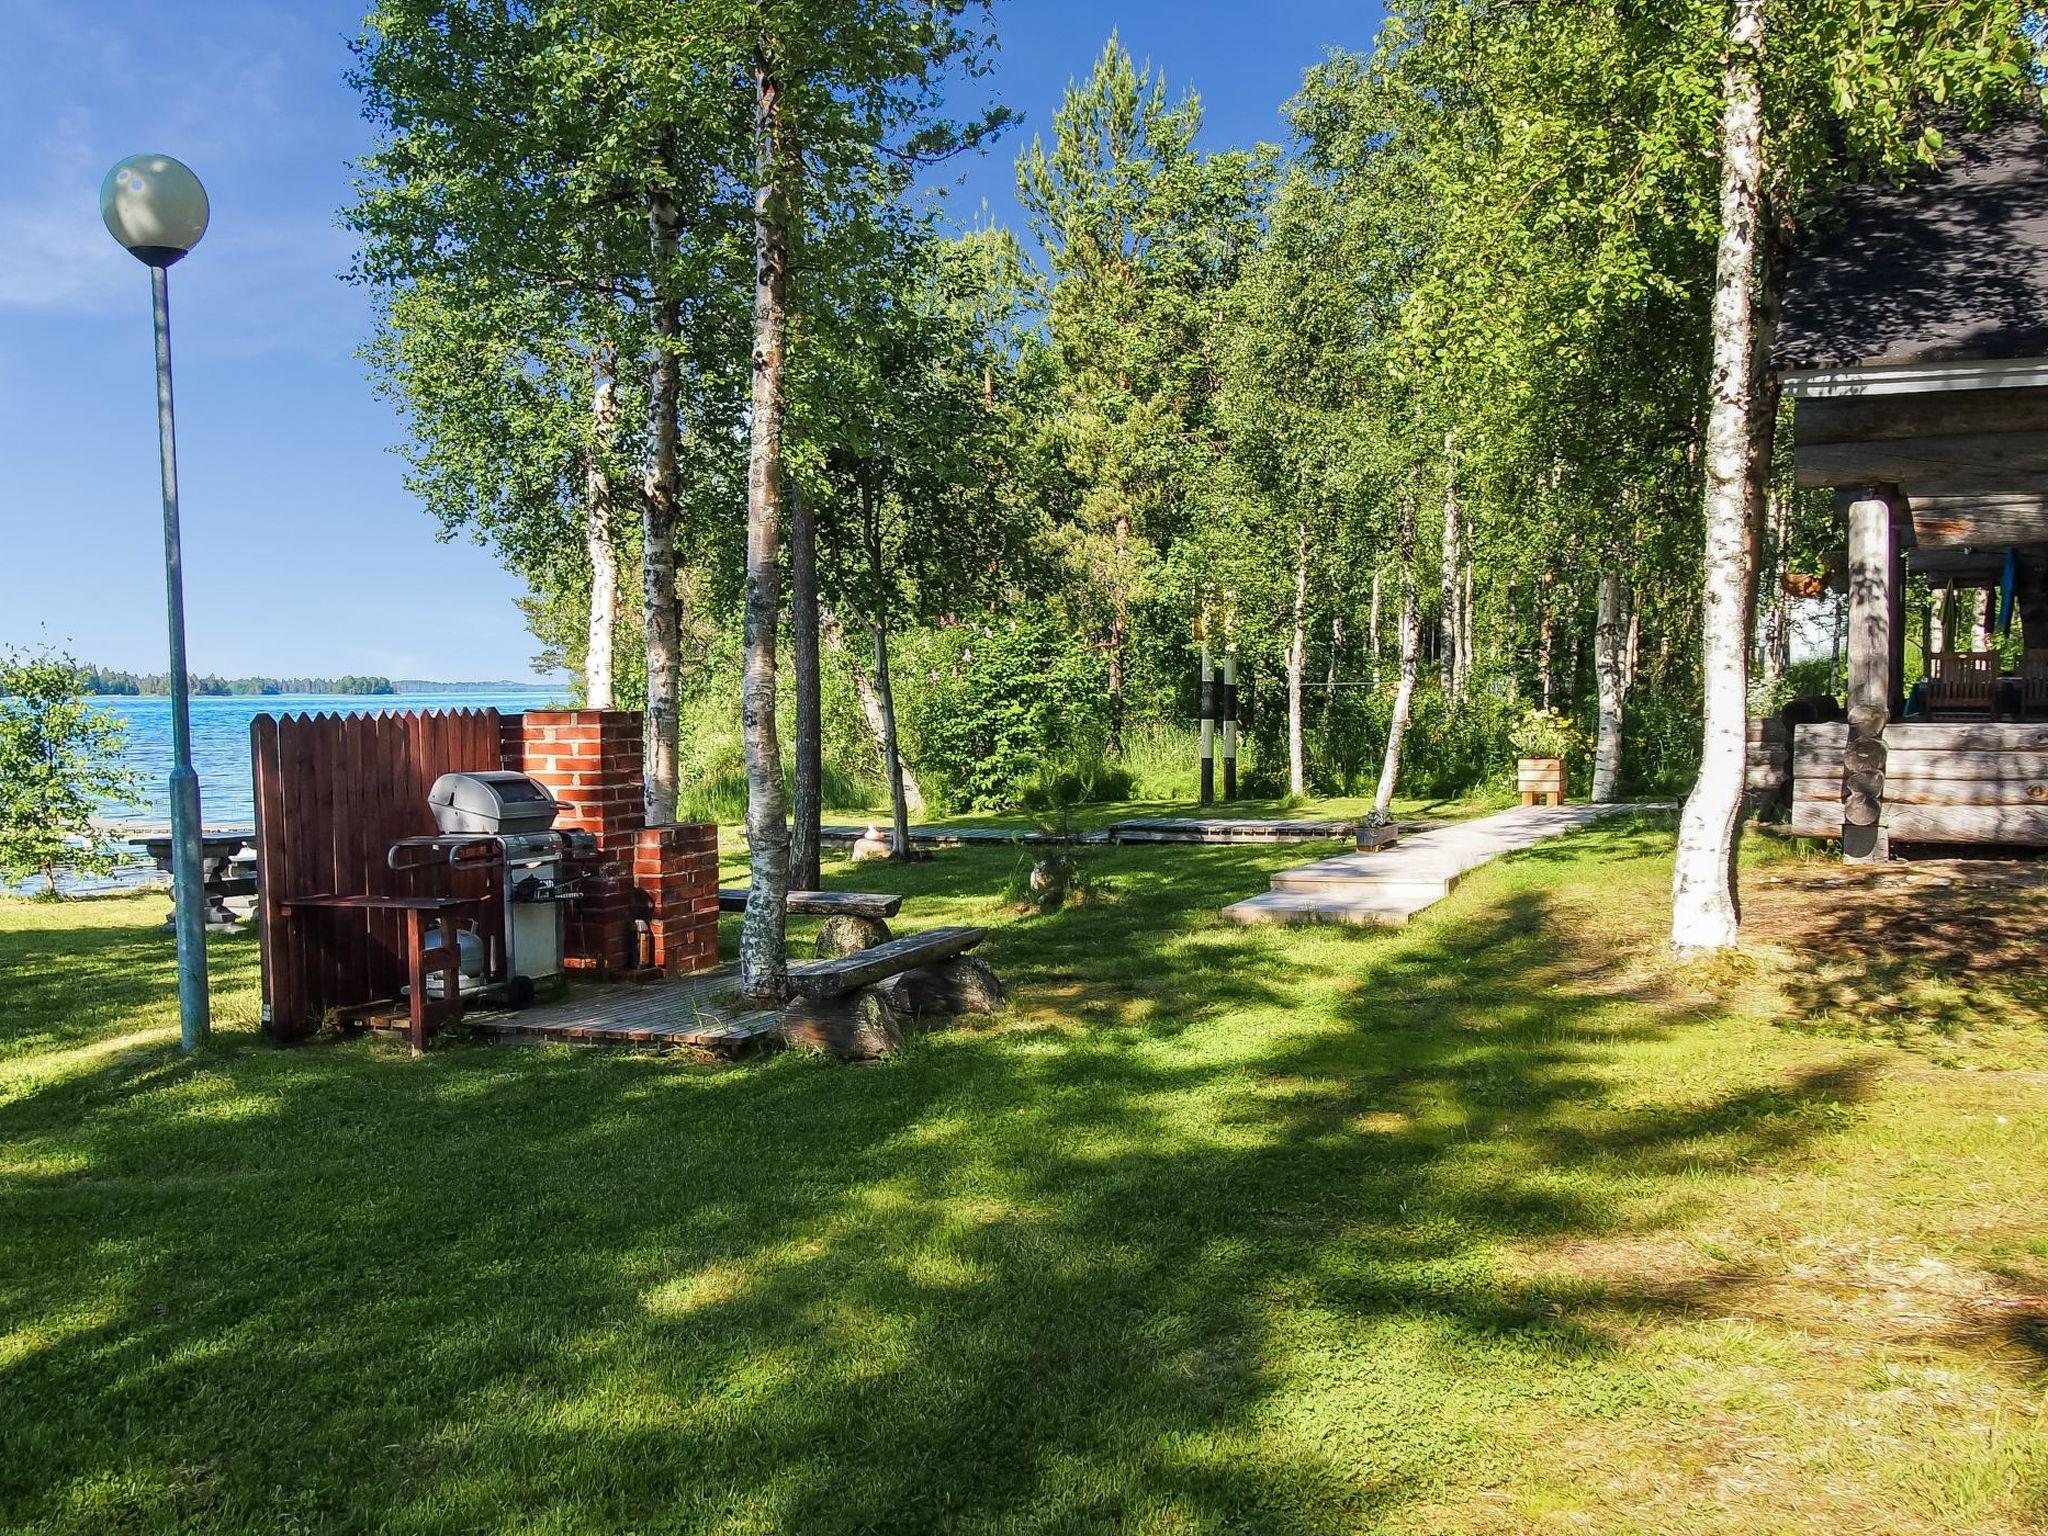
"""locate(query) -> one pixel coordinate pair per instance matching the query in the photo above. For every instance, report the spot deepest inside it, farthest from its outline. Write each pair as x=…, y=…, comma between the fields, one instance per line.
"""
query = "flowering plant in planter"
x=1545, y=733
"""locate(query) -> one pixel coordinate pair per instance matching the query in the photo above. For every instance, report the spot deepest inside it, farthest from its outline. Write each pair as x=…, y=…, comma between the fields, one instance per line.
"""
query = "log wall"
x=1950, y=784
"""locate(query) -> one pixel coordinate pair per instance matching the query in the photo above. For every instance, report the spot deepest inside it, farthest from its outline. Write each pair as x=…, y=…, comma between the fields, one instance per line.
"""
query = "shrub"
x=986, y=706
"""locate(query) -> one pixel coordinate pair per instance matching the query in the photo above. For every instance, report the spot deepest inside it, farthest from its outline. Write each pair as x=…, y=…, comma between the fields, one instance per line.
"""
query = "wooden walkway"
x=1388, y=887
x=1226, y=829
x=1142, y=829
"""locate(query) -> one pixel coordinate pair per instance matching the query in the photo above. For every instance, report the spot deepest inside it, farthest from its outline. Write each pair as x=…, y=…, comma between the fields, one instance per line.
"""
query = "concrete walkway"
x=1388, y=887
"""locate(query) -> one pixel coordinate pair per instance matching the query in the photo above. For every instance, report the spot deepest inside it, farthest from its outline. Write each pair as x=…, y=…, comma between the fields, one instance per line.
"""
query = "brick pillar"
x=676, y=871
x=590, y=760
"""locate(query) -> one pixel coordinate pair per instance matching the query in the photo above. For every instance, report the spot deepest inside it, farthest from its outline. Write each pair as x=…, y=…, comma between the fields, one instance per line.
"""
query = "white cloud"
x=57, y=254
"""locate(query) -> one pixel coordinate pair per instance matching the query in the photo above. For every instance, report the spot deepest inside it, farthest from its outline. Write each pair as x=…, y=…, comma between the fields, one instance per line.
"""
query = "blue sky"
x=304, y=554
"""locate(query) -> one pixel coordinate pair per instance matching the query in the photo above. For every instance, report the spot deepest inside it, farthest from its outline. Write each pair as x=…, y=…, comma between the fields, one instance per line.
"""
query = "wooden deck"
x=694, y=1013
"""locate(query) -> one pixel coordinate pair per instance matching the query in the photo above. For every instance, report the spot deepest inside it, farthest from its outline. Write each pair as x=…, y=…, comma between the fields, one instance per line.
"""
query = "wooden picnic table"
x=217, y=854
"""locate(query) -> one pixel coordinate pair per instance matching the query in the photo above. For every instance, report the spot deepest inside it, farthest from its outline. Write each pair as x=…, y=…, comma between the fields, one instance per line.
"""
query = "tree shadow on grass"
x=1032, y=1279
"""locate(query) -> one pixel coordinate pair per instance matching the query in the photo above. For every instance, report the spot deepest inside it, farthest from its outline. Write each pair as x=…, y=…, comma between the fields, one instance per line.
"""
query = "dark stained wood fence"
x=333, y=792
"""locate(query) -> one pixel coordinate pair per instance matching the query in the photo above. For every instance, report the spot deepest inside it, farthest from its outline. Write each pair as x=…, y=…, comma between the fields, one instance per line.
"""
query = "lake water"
x=220, y=746
x=220, y=741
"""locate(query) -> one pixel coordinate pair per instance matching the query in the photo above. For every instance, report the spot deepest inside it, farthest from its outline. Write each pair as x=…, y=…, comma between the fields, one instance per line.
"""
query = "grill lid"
x=494, y=804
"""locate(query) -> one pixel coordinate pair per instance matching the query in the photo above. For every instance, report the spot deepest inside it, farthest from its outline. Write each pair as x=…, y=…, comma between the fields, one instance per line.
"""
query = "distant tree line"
x=102, y=680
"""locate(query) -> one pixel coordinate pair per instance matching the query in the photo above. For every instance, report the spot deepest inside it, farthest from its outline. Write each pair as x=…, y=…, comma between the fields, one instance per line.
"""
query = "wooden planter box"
x=1541, y=780
x=1371, y=839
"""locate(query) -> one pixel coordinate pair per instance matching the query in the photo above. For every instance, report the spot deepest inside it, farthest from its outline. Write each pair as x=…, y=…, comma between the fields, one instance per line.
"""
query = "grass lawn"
x=1503, y=1222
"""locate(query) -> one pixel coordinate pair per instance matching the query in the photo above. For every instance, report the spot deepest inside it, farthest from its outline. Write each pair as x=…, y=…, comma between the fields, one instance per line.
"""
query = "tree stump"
x=962, y=985
x=846, y=934
x=866, y=1026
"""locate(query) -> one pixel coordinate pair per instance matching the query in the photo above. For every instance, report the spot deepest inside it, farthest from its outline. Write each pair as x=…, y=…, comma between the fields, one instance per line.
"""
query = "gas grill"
x=503, y=823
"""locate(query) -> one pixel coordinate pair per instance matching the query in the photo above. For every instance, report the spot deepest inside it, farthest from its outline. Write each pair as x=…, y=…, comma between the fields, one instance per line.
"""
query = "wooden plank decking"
x=700, y=1013
x=1140, y=829
x=1387, y=887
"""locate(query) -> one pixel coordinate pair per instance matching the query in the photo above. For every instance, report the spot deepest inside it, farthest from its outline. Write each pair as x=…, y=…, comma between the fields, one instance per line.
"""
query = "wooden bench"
x=823, y=903
x=418, y=910
x=1964, y=685
x=832, y=978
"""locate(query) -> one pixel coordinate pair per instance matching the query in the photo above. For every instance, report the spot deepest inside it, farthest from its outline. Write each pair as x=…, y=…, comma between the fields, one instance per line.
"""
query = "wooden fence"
x=333, y=792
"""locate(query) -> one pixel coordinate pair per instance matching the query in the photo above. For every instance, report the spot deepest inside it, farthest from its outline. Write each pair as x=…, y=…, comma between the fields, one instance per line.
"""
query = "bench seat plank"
x=822, y=903
x=829, y=978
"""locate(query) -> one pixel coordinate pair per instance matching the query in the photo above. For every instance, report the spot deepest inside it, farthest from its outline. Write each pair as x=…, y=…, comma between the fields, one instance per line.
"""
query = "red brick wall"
x=590, y=759
x=676, y=870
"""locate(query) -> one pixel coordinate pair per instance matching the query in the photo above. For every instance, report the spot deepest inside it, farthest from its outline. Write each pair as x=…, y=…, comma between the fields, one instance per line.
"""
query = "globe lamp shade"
x=155, y=207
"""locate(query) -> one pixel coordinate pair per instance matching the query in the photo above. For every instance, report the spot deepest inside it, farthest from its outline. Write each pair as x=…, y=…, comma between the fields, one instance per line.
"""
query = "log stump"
x=865, y=1026
x=845, y=934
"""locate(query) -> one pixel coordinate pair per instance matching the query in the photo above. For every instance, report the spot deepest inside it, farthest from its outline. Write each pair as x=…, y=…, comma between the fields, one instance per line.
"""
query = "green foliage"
x=996, y=701
x=1546, y=733
x=60, y=767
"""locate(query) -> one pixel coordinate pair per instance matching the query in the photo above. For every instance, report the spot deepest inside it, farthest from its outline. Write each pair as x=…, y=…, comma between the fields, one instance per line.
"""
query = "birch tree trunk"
x=1466, y=650
x=1372, y=630
x=1447, y=659
x=1297, y=667
x=599, y=537
x=1610, y=667
x=1774, y=249
x=807, y=811
x=1703, y=898
x=763, y=937
x=1411, y=660
x=1119, y=631
x=1777, y=623
x=892, y=755
x=880, y=724
x=658, y=522
x=1330, y=672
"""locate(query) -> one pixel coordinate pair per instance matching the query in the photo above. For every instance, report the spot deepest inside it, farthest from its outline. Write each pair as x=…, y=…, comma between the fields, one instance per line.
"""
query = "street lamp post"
x=157, y=209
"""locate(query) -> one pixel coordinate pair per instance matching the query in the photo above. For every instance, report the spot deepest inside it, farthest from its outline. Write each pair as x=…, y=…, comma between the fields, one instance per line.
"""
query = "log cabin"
x=1914, y=347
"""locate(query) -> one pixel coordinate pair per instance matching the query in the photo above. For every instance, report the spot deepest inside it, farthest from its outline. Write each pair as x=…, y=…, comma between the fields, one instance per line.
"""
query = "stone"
x=845, y=934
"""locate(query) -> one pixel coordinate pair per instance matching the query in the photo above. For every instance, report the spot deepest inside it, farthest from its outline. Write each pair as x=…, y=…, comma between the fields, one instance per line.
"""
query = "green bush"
x=985, y=707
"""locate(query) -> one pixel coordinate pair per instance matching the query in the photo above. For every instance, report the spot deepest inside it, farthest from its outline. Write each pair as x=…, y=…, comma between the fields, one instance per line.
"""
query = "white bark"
x=1372, y=631
x=600, y=539
x=871, y=711
x=658, y=523
x=1411, y=657
x=1451, y=630
x=1703, y=898
x=1610, y=667
x=1467, y=651
x=764, y=955
x=1297, y=664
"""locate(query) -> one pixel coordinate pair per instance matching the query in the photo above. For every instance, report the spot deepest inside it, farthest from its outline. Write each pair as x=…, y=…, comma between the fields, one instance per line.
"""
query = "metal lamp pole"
x=158, y=210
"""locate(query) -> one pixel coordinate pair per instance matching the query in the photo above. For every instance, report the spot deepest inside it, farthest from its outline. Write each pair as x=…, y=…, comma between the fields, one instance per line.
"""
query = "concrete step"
x=1350, y=910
